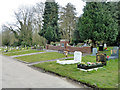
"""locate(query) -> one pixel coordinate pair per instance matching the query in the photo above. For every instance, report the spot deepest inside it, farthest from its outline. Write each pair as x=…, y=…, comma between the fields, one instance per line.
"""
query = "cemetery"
x=77, y=71
x=84, y=69
x=64, y=46
x=54, y=39
x=43, y=57
x=11, y=51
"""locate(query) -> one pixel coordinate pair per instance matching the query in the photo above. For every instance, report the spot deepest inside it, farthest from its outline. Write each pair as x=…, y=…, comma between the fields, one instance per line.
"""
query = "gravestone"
x=94, y=51
x=114, y=51
x=101, y=57
x=17, y=48
x=77, y=59
x=77, y=56
x=101, y=48
x=105, y=45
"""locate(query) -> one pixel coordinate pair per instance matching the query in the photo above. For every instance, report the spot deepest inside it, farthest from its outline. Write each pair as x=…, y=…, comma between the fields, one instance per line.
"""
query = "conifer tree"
x=98, y=22
x=50, y=19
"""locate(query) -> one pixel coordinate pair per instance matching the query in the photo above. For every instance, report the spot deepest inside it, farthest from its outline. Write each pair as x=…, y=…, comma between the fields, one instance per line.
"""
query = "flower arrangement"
x=89, y=65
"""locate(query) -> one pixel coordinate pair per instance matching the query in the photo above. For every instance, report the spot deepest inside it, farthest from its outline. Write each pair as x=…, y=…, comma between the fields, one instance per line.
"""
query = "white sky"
x=7, y=7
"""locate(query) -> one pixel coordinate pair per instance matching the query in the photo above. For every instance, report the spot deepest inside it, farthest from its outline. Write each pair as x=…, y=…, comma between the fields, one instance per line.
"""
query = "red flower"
x=107, y=56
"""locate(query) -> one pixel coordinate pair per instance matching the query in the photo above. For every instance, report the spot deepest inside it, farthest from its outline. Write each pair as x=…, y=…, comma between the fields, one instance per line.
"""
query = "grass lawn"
x=106, y=77
x=20, y=52
x=42, y=57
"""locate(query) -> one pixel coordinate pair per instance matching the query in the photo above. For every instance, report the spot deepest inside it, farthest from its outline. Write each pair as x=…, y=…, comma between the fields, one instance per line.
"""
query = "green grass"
x=106, y=77
x=42, y=57
x=20, y=52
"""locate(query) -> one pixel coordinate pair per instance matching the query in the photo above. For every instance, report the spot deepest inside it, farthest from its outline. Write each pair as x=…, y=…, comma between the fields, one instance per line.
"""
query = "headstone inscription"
x=101, y=57
x=94, y=51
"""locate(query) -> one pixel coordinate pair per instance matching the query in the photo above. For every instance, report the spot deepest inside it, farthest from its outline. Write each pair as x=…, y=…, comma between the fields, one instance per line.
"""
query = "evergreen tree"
x=118, y=37
x=67, y=21
x=50, y=22
x=98, y=23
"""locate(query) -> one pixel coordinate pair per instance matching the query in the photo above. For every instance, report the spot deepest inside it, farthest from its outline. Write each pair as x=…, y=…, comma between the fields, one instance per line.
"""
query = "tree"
x=37, y=39
x=8, y=37
x=67, y=21
x=50, y=19
x=98, y=23
x=118, y=37
x=24, y=26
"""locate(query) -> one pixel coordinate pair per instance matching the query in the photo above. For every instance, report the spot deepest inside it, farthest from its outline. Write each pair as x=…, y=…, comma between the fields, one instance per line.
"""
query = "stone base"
x=67, y=62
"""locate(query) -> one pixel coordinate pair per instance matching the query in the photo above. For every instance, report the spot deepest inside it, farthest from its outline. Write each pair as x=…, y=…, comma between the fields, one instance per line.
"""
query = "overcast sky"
x=7, y=7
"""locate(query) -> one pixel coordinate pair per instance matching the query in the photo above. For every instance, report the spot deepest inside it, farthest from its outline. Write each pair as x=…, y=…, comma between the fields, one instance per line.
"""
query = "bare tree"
x=23, y=31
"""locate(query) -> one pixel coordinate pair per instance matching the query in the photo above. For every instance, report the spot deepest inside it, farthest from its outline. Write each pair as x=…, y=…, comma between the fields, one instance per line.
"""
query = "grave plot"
x=108, y=74
x=20, y=52
x=114, y=53
x=43, y=57
x=89, y=66
x=77, y=59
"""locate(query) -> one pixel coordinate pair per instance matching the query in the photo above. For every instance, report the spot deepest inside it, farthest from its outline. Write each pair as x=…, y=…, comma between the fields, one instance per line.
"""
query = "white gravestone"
x=17, y=48
x=77, y=56
x=105, y=45
x=77, y=59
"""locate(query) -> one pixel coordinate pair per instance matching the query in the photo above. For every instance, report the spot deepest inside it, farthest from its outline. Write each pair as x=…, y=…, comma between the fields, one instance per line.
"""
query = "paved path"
x=27, y=54
x=19, y=75
x=34, y=53
x=48, y=61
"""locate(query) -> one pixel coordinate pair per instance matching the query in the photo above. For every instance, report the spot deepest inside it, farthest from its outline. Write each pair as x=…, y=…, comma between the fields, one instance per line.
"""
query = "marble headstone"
x=77, y=56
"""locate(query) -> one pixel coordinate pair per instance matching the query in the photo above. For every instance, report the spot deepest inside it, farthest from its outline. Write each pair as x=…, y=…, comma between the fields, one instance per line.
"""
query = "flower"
x=107, y=56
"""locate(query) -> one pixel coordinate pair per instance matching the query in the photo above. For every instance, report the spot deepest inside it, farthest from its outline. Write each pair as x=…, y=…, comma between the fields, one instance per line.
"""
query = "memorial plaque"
x=77, y=56
x=101, y=57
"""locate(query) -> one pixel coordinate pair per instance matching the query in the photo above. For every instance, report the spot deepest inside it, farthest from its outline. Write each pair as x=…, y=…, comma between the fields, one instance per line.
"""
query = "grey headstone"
x=115, y=51
x=94, y=51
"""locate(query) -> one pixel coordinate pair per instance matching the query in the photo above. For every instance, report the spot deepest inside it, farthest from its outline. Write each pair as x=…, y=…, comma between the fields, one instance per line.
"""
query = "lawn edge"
x=57, y=74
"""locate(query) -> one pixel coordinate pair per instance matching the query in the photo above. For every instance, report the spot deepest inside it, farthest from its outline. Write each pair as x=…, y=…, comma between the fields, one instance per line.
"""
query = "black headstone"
x=101, y=57
x=101, y=48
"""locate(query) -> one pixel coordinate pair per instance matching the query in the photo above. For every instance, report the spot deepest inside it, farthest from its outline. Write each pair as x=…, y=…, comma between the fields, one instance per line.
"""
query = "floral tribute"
x=89, y=65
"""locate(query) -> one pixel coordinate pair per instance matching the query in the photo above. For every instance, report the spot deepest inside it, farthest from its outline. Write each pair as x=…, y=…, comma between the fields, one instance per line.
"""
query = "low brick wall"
x=54, y=47
x=82, y=49
x=70, y=48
